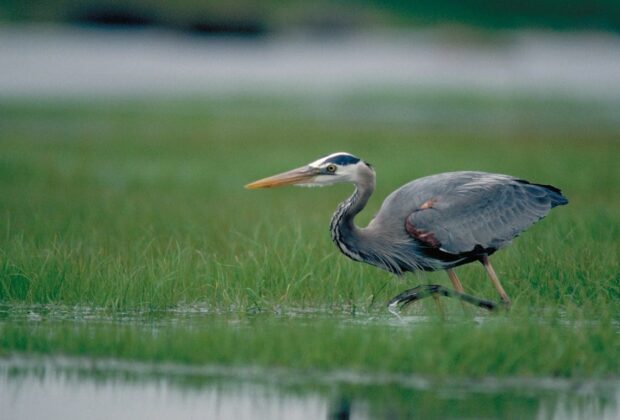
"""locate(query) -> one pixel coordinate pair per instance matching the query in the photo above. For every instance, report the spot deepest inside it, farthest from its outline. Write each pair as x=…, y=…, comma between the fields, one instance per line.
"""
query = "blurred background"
x=86, y=48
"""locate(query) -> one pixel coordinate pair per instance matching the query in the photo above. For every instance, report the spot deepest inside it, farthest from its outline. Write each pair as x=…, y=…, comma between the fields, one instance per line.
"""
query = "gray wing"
x=481, y=214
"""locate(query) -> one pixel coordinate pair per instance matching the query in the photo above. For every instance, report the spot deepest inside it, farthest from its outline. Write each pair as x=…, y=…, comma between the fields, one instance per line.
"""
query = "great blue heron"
x=437, y=222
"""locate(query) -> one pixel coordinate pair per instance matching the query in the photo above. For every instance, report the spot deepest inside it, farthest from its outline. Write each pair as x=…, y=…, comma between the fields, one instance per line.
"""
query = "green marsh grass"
x=140, y=207
x=455, y=349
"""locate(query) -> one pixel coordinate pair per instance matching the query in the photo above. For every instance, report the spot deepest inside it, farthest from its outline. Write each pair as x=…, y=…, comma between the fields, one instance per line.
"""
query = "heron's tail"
x=557, y=199
x=554, y=193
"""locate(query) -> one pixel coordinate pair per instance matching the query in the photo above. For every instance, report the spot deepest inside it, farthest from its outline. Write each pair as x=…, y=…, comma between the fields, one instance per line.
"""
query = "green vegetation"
x=452, y=349
x=136, y=210
x=322, y=15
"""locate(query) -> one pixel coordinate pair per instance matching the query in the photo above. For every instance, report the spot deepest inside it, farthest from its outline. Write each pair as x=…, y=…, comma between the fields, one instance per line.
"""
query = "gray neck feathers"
x=366, y=244
x=345, y=234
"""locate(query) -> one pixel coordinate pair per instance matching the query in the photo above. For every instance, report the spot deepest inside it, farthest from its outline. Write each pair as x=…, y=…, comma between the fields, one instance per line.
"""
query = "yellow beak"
x=296, y=176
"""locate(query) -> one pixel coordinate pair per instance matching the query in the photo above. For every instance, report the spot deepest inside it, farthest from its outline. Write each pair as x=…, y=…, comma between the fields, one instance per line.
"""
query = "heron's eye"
x=331, y=168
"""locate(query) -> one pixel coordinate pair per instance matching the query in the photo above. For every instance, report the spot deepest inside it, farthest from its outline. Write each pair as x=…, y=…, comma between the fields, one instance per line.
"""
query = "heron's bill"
x=296, y=176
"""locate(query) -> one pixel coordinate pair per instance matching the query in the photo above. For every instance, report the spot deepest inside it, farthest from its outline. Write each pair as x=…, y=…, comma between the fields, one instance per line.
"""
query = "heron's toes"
x=402, y=299
x=411, y=295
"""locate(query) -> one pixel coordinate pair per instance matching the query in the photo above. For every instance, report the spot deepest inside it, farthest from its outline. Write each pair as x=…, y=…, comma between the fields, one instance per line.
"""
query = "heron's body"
x=436, y=222
x=446, y=220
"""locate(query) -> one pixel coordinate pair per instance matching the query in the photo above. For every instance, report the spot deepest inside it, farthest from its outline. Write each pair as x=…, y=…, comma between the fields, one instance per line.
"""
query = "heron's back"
x=451, y=218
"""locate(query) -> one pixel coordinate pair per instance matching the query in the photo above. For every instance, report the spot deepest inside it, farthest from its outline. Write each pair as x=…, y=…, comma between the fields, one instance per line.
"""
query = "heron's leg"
x=498, y=286
x=455, y=281
x=439, y=305
x=457, y=286
x=426, y=290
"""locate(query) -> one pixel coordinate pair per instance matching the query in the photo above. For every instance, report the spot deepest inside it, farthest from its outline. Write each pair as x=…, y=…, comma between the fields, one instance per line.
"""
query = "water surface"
x=44, y=61
x=59, y=375
x=66, y=388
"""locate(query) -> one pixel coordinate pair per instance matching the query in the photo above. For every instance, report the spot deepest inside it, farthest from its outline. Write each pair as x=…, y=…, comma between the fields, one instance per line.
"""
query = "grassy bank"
x=142, y=206
x=139, y=206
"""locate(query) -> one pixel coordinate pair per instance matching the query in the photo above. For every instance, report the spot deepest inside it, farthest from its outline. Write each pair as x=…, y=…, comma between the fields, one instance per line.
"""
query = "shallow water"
x=43, y=383
x=52, y=61
x=65, y=388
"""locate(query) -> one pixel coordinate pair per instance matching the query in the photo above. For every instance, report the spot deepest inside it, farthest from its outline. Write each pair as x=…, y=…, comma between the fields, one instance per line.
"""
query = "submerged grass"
x=140, y=206
x=437, y=349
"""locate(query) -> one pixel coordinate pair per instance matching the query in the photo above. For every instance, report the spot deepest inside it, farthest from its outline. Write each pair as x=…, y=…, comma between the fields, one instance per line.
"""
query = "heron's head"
x=333, y=169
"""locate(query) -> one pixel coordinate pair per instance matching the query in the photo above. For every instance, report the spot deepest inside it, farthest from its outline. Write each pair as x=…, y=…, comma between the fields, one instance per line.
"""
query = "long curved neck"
x=344, y=232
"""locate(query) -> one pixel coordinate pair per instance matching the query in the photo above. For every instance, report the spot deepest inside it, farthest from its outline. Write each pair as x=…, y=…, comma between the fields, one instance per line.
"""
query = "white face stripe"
x=317, y=163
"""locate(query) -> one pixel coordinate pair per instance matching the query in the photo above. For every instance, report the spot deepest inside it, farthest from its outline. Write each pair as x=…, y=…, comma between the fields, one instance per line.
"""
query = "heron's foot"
x=411, y=295
x=420, y=292
x=506, y=303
